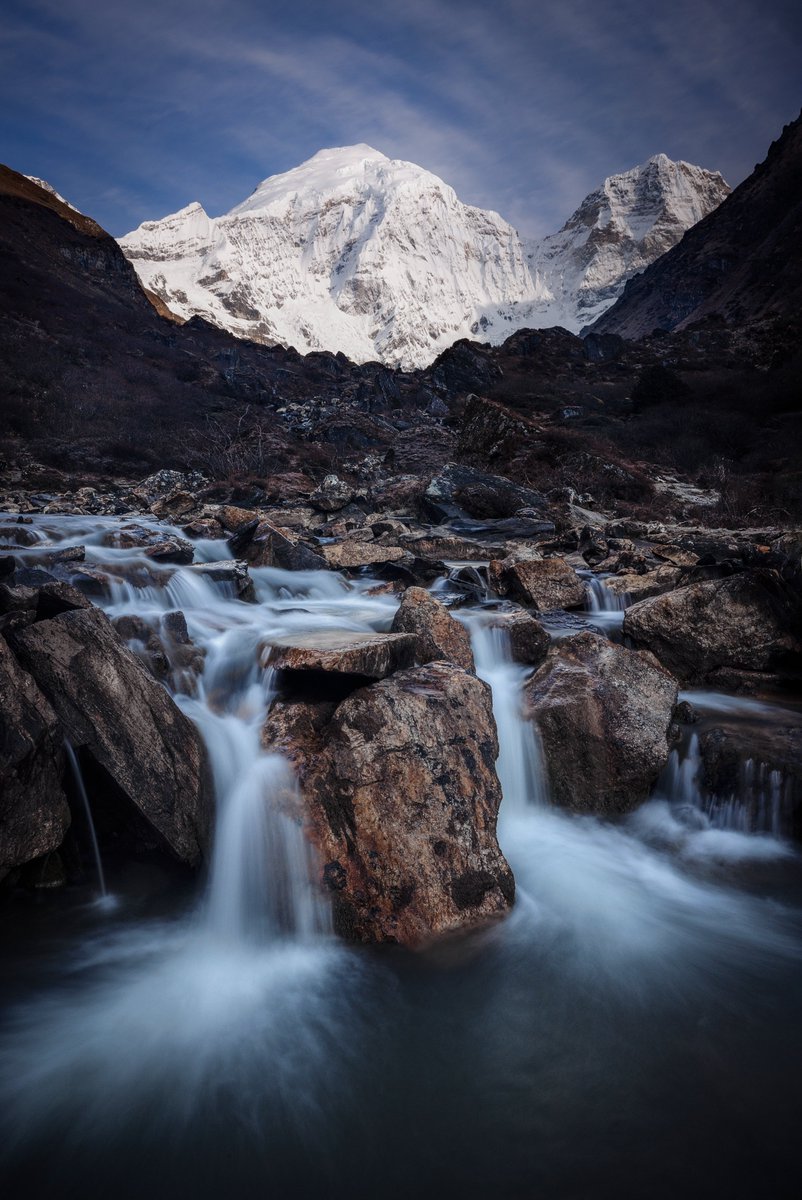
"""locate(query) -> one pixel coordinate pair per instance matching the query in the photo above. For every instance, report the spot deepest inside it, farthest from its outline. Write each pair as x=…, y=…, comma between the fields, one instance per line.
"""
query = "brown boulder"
x=603, y=713
x=437, y=634
x=543, y=583
x=529, y=641
x=110, y=706
x=641, y=587
x=746, y=622
x=343, y=652
x=401, y=800
x=34, y=815
x=349, y=556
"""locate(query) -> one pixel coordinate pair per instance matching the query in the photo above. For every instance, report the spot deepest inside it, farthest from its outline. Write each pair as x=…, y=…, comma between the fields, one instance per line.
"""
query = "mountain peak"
x=377, y=257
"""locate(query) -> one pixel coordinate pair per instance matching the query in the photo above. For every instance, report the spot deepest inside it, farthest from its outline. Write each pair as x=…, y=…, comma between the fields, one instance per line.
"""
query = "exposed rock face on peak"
x=618, y=230
x=741, y=263
x=378, y=258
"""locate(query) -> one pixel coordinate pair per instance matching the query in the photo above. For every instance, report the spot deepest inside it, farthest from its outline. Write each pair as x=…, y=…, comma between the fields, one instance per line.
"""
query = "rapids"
x=630, y=1030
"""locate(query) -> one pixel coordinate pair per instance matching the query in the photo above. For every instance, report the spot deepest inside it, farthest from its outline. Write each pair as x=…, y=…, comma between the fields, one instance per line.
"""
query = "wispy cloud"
x=523, y=106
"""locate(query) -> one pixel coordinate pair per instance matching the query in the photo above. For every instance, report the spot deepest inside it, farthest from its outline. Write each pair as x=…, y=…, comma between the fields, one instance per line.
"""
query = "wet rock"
x=437, y=634
x=112, y=709
x=748, y=622
x=177, y=504
x=173, y=550
x=544, y=583
x=18, y=535
x=400, y=800
x=458, y=490
x=229, y=571
x=529, y=642
x=604, y=714
x=34, y=814
x=204, y=527
x=349, y=556
x=344, y=652
x=264, y=545
x=452, y=549
x=165, y=648
x=641, y=587
x=233, y=518
x=334, y=493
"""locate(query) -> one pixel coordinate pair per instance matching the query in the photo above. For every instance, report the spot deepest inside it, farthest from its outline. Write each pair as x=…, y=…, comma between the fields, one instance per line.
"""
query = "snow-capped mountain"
x=378, y=258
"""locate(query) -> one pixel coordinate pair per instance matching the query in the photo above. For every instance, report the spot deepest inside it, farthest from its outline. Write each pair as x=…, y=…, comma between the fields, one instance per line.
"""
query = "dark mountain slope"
x=92, y=375
x=742, y=263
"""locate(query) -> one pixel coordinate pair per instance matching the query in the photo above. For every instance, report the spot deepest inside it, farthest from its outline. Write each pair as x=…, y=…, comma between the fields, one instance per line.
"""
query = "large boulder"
x=604, y=714
x=748, y=622
x=543, y=583
x=400, y=799
x=111, y=709
x=437, y=634
x=34, y=815
x=457, y=491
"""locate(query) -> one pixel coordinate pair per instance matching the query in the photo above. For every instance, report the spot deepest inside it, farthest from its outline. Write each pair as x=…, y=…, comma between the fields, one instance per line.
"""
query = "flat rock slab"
x=372, y=655
x=348, y=556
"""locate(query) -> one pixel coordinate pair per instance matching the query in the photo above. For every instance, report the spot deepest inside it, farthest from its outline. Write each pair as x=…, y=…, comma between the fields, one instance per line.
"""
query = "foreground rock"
x=401, y=798
x=603, y=713
x=748, y=622
x=437, y=634
x=544, y=583
x=111, y=708
x=34, y=815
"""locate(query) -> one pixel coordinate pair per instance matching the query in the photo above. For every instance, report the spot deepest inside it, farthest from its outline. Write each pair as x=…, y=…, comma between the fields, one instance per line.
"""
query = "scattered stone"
x=174, y=550
x=529, y=642
x=544, y=583
x=641, y=587
x=457, y=491
x=350, y=556
x=334, y=493
x=228, y=571
x=603, y=713
x=437, y=634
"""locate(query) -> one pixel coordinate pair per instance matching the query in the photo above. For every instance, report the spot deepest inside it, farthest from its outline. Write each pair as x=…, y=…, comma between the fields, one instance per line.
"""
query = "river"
x=631, y=1030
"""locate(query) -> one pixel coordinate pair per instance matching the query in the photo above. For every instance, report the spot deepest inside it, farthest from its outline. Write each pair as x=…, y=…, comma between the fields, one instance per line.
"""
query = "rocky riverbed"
x=241, y=743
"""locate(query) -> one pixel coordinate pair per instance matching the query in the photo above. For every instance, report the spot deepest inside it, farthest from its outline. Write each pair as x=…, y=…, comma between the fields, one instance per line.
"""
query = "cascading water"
x=600, y=598
x=520, y=761
x=78, y=779
x=632, y=1022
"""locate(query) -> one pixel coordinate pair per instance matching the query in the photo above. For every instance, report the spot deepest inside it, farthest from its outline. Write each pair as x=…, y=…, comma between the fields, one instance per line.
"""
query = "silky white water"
x=233, y=1044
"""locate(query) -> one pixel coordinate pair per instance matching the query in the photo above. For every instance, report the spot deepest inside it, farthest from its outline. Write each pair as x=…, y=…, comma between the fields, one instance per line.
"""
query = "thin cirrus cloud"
x=133, y=110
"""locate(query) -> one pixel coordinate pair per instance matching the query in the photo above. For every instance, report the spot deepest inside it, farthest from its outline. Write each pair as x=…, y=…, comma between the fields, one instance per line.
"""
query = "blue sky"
x=133, y=108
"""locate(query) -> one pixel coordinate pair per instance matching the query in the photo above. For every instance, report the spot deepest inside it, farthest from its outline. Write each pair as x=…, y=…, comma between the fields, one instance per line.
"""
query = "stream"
x=631, y=1030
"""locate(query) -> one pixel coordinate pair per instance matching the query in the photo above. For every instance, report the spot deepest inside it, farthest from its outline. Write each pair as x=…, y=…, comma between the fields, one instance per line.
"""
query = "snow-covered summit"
x=379, y=258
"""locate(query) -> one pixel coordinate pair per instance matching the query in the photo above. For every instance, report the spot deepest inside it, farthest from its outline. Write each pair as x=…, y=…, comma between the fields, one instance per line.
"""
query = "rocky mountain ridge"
x=379, y=259
x=740, y=264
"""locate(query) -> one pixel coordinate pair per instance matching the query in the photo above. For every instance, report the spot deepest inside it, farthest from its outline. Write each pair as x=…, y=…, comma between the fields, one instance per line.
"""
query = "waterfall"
x=757, y=805
x=600, y=599
x=520, y=764
x=77, y=775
